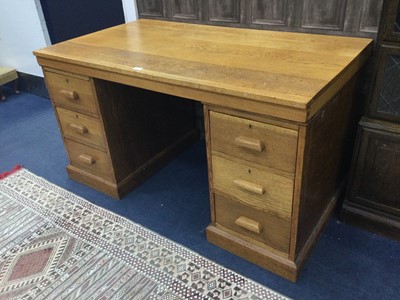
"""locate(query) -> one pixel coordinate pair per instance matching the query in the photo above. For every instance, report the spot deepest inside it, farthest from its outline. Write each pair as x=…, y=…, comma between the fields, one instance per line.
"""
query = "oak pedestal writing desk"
x=278, y=107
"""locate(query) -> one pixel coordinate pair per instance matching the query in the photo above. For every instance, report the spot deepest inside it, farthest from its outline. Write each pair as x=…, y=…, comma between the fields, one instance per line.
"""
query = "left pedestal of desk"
x=116, y=135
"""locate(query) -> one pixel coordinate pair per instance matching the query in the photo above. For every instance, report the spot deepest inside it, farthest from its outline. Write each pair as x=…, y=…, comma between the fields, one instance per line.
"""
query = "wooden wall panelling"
x=385, y=102
x=152, y=8
x=338, y=17
x=186, y=9
x=269, y=12
x=362, y=16
x=376, y=184
x=372, y=200
x=353, y=15
x=390, y=30
x=323, y=14
x=397, y=22
x=369, y=21
x=226, y=11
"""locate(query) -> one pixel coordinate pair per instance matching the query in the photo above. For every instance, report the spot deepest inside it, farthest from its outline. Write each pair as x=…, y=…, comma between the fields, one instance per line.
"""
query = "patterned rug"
x=56, y=245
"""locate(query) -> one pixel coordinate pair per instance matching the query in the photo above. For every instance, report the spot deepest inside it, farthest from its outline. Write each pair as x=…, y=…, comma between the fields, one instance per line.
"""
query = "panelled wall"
x=350, y=17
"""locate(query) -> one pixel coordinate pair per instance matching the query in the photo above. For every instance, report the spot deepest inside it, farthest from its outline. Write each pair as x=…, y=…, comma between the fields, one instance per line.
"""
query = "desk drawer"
x=253, y=223
x=82, y=128
x=255, y=187
x=75, y=93
x=269, y=145
x=89, y=159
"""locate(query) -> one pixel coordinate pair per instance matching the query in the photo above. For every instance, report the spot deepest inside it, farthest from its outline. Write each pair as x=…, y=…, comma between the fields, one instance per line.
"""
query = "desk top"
x=295, y=72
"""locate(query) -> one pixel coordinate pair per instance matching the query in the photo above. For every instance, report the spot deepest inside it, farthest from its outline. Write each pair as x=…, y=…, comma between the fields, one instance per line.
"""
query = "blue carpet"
x=347, y=263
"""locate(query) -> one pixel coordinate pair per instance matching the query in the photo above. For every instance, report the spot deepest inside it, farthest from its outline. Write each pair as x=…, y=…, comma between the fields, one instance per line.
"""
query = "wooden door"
x=385, y=102
x=357, y=18
x=377, y=176
x=390, y=30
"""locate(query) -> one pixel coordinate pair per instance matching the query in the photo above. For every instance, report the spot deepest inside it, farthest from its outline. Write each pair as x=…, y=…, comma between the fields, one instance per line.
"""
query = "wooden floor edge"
x=255, y=254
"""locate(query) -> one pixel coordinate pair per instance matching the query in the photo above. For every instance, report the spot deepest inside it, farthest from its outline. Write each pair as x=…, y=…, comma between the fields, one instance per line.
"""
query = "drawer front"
x=71, y=92
x=253, y=223
x=89, y=159
x=269, y=145
x=257, y=188
x=79, y=127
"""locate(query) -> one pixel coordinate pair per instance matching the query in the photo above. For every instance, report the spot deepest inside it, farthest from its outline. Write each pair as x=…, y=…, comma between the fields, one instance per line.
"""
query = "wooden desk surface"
x=296, y=73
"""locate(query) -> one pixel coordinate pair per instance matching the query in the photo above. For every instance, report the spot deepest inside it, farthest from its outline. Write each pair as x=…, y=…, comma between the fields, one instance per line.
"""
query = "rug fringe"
x=5, y=174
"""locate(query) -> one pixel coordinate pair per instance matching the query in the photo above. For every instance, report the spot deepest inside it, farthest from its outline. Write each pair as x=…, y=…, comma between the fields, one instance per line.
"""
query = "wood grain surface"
x=278, y=190
x=234, y=136
x=289, y=69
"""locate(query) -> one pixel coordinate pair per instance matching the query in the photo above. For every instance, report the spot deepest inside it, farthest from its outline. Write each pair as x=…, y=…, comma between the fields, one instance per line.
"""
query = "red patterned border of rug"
x=56, y=245
x=8, y=173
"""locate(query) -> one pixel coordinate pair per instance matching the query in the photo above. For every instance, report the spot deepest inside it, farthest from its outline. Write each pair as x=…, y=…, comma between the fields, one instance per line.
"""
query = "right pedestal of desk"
x=274, y=183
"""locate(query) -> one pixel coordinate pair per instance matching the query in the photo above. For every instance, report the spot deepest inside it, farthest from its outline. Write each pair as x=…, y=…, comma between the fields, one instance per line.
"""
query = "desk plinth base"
x=93, y=181
x=268, y=259
x=253, y=253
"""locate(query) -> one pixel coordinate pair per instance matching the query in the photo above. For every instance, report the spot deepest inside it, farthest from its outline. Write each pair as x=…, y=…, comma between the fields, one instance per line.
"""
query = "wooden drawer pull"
x=87, y=159
x=249, y=224
x=70, y=94
x=248, y=186
x=79, y=128
x=249, y=143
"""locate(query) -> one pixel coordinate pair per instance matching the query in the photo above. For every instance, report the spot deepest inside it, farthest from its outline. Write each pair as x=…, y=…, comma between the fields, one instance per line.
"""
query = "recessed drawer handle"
x=87, y=159
x=249, y=143
x=79, y=128
x=70, y=94
x=248, y=186
x=249, y=224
